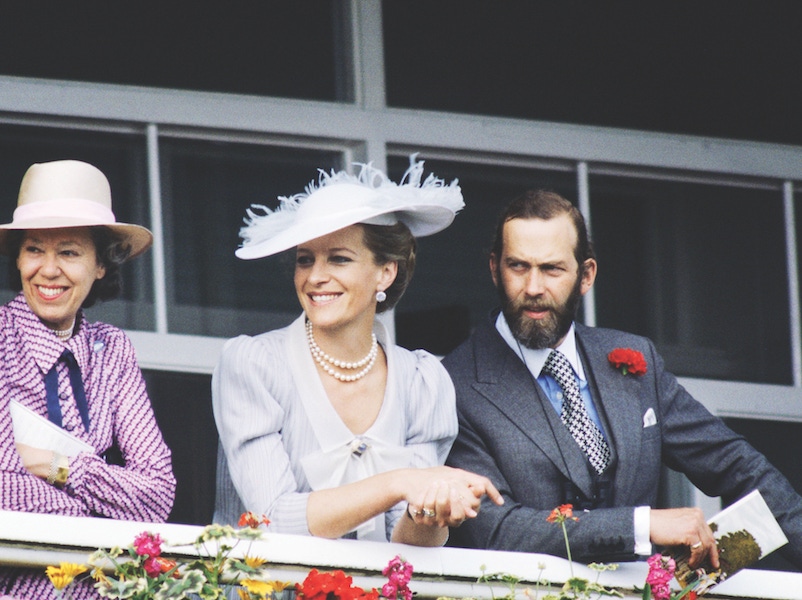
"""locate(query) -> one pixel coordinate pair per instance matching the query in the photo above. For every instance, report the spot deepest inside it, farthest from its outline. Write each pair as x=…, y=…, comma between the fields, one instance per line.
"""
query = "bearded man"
x=552, y=417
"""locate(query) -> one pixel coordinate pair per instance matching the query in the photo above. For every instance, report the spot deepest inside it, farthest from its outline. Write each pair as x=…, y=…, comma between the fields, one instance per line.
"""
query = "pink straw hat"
x=69, y=193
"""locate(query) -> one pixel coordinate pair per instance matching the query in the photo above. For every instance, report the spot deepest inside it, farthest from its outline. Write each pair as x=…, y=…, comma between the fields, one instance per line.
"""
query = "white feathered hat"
x=339, y=199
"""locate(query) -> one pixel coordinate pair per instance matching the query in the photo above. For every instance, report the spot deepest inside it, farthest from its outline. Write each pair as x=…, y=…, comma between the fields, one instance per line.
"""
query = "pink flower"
x=661, y=570
x=661, y=591
x=153, y=566
x=398, y=573
x=148, y=544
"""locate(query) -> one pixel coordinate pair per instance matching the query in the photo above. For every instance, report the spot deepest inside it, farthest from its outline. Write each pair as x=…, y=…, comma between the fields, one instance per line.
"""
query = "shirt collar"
x=44, y=347
x=535, y=359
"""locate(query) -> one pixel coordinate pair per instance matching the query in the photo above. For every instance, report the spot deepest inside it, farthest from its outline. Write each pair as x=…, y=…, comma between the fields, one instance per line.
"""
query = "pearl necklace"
x=328, y=363
x=64, y=334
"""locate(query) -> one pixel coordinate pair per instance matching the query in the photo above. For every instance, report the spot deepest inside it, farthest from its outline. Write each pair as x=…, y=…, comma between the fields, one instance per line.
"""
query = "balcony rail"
x=37, y=540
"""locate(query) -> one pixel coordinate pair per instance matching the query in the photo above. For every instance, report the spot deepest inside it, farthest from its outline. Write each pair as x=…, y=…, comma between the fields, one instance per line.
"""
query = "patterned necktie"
x=574, y=414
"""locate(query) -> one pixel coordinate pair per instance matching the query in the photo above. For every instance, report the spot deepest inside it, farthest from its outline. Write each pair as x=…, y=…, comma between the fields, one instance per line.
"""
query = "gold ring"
x=428, y=512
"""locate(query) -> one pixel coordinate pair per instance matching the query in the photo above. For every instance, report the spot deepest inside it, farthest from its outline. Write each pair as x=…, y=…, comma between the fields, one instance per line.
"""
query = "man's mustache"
x=536, y=307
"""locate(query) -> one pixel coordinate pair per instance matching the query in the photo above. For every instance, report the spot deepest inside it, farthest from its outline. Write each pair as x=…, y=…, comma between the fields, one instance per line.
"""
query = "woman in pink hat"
x=79, y=435
x=325, y=426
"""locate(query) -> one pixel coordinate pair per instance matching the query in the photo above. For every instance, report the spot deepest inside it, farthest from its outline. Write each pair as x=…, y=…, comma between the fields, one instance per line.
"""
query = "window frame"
x=367, y=130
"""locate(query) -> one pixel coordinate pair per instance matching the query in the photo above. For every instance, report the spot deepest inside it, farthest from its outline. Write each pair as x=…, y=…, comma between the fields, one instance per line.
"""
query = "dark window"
x=207, y=187
x=699, y=269
x=183, y=407
x=781, y=443
x=711, y=69
x=287, y=49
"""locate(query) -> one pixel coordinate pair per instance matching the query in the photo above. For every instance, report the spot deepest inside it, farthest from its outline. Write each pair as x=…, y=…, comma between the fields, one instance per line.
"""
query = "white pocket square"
x=649, y=418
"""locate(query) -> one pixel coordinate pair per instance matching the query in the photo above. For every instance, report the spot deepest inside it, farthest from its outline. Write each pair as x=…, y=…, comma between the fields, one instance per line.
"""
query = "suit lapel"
x=621, y=408
x=506, y=382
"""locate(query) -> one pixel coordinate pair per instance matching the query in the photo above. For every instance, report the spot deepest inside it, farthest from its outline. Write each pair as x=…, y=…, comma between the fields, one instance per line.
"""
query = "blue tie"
x=51, y=390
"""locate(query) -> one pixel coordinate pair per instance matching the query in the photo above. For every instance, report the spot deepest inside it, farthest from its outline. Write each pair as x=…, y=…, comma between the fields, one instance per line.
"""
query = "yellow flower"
x=254, y=586
x=254, y=562
x=63, y=575
x=280, y=586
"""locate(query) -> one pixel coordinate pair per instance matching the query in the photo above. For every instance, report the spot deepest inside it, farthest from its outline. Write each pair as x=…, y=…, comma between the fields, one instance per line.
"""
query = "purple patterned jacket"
x=119, y=410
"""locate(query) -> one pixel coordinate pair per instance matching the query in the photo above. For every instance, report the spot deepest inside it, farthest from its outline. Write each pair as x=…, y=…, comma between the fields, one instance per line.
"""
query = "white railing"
x=40, y=540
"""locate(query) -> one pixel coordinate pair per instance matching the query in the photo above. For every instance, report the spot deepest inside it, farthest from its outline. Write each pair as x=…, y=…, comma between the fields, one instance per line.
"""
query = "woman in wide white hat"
x=78, y=432
x=326, y=427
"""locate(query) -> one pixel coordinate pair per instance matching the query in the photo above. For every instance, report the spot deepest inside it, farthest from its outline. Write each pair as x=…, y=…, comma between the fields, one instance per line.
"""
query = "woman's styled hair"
x=111, y=252
x=392, y=243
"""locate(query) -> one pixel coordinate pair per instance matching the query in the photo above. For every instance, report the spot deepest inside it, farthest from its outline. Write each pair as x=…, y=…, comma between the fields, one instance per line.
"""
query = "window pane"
x=287, y=49
x=207, y=187
x=182, y=404
x=698, y=268
x=452, y=290
x=678, y=71
x=781, y=443
x=122, y=159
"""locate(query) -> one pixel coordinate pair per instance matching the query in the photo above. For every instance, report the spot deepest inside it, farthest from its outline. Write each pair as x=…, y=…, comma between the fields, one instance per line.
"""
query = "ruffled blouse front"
x=283, y=438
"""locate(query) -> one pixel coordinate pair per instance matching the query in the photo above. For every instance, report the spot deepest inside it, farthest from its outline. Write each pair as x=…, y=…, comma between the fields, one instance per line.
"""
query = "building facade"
x=696, y=230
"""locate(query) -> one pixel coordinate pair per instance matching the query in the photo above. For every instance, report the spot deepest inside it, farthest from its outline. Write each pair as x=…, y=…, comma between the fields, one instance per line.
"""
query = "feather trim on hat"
x=259, y=227
x=262, y=223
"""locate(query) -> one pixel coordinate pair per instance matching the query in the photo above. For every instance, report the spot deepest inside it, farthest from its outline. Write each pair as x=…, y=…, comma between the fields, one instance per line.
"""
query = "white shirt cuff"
x=643, y=544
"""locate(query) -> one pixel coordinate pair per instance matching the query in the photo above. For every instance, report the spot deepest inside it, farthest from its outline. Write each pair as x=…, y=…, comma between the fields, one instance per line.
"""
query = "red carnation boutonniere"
x=628, y=360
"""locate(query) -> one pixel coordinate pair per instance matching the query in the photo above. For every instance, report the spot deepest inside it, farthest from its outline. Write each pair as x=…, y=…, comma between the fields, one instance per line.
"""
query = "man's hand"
x=684, y=527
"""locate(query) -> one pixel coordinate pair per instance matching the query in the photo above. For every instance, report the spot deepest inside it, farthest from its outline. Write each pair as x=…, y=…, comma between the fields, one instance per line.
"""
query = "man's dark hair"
x=542, y=204
x=110, y=249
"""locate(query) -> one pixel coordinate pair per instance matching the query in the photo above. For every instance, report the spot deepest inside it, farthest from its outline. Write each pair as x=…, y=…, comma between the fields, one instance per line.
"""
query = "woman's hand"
x=36, y=460
x=445, y=497
x=448, y=496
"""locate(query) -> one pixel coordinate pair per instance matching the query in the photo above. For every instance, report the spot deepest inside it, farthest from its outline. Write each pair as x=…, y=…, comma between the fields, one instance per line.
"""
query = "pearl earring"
x=381, y=296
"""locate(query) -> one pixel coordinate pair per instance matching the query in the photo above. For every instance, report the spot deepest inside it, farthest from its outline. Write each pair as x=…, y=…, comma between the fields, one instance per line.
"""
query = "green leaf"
x=191, y=583
x=576, y=584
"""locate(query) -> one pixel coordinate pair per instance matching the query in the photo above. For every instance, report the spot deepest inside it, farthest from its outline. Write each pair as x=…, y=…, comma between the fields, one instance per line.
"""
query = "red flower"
x=331, y=586
x=248, y=519
x=561, y=513
x=148, y=544
x=628, y=360
x=156, y=565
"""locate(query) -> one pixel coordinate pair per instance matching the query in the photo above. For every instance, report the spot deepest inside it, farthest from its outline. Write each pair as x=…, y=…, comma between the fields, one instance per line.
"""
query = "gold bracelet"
x=63, y=472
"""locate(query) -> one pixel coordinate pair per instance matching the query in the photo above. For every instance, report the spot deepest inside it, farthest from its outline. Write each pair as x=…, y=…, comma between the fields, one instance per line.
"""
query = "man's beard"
x=542, y=333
